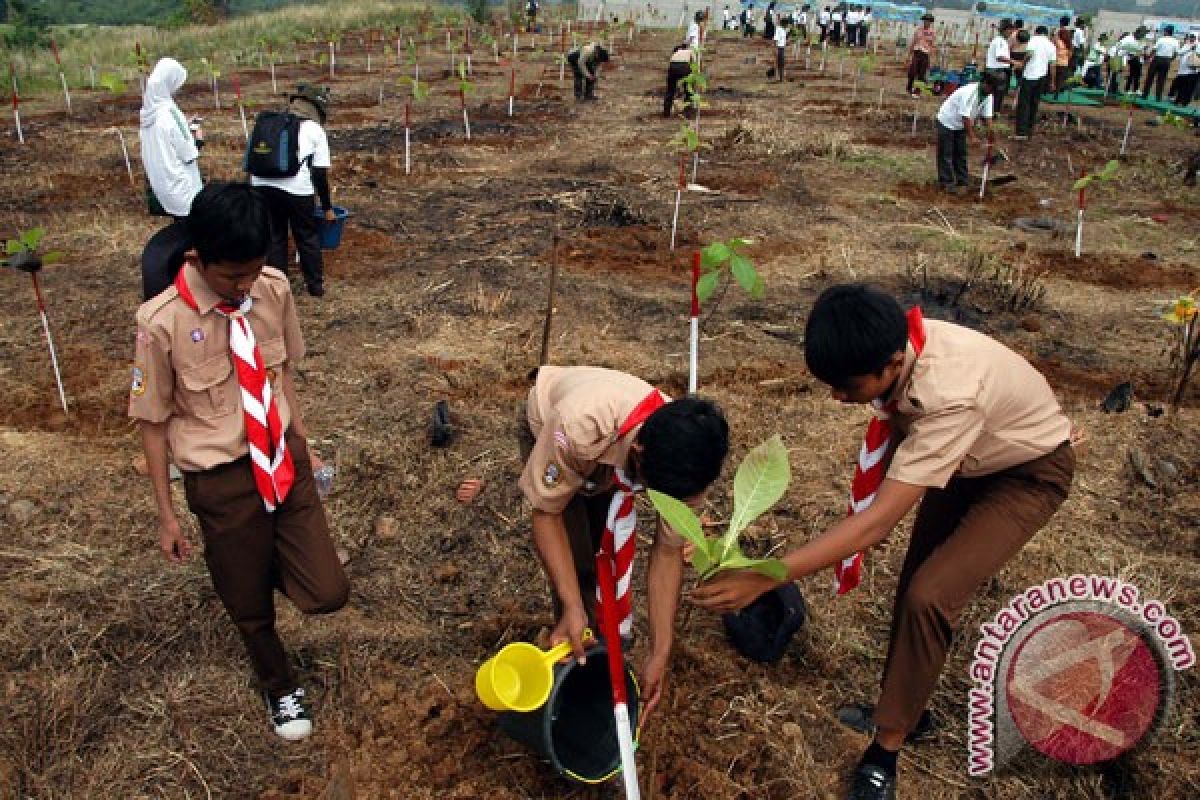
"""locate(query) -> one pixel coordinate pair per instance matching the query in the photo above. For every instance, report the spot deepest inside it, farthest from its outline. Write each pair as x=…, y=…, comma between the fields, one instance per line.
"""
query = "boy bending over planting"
x=968, y=431
x=592, y=437
x=213, y=390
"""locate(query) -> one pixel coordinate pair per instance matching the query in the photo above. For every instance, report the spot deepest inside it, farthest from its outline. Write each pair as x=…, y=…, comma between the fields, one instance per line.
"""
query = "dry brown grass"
x=122, y=677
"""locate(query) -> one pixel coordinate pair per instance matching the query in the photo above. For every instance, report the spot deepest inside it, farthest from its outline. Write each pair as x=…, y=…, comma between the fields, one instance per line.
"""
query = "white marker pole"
x=694, y=334
x=125, y=153
x=17, y=114
x=987, y=165
x=62, y=395
x=1079, y=226
x=678, y=198
x=407, y=146
x=1125, y=138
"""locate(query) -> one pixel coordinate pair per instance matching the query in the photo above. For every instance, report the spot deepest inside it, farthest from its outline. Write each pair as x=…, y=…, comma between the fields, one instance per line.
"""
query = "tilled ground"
x=122, y=676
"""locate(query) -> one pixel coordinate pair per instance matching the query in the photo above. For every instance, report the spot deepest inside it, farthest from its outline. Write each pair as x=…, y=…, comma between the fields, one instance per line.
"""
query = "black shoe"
x=290, y=715
x=316, y=290
x=872, y=782
x=861, y=718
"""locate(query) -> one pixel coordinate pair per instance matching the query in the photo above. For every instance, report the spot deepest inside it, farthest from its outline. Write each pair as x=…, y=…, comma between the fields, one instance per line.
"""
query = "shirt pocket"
x=208, y=391
x=274, y=352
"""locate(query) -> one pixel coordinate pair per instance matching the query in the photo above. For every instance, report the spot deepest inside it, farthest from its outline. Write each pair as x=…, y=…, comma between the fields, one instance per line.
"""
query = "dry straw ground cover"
x=121, y=677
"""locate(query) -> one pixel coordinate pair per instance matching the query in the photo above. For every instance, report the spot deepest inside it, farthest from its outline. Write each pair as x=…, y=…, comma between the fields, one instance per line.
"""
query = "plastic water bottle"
x=324, y=478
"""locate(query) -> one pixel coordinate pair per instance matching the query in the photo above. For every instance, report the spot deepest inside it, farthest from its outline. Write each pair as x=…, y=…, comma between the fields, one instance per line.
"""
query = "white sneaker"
x=290, y=716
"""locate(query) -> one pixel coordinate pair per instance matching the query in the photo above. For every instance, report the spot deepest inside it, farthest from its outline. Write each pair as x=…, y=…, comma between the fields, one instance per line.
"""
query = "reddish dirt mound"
x=633, y=248
x=364, y=253
x=737, y=179
x=1119, y=272
x=1002, y=203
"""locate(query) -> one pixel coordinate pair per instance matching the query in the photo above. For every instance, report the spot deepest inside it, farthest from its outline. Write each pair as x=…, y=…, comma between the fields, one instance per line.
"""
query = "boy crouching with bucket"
x=967, y=431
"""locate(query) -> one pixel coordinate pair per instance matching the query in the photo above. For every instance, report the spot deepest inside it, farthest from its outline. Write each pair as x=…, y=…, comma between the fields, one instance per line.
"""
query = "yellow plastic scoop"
x=520, y=676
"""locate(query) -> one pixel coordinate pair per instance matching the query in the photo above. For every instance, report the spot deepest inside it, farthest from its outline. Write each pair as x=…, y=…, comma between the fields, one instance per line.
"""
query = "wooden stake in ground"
x=61, y=75
x=237, y=93
x=37, y=290
x=512, y=87
x=987, y=165
x=16, y=102
x=1125, y=138
x=546, y=326
x=332, y=60
x=407, y=126
x=1079, y=224
x=125, y=153
x=694, y=329
x=462, y=96
x=271, y=62
x=678, y=196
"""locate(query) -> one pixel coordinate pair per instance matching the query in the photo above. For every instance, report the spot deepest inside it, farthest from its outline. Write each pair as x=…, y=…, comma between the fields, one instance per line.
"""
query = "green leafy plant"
x=24, y=252
x=719, y=256
x=695, y=84
x=420, y=91
x=1175, y=120
x=112, y=82
x=1184, y=317
x=686, y=140
x=1104, y=175
x=760, y=481
x=465, y=87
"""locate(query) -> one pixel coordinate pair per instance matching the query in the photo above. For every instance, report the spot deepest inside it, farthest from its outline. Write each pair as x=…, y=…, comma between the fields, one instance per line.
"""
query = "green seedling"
x=716, y=258
x=760, y=482
x=686, y=140
x=24, y=254
x=1184, y=317
x=112, y=82
x=418, y=90
x=1104, y=176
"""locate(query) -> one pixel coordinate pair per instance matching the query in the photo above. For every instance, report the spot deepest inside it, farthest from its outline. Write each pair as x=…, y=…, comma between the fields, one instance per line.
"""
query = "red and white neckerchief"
x=269, y=456
x=873, y=462
x=619, y=542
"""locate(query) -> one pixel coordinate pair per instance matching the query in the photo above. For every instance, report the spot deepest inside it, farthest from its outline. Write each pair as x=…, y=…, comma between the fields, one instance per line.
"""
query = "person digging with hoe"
x=956, y=123
x=213, y=390
x=966, y=431
x=591, y=438
x=585, y=62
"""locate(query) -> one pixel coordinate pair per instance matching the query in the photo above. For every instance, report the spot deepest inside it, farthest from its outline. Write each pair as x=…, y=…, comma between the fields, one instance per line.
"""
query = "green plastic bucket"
x=575, y=730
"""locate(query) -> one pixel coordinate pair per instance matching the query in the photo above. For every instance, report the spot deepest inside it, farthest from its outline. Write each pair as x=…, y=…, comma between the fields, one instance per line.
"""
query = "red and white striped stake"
x=332, y=60
x=407, y=127
x=61, y=75
x=1079, y=224
x=37, y=290
x=694, y=333
x=678, y=196
x=237, y=91
x=271, y=63
x=512, y=87
x=17, y=113
x=125, y=153
x=609, y=625
x=462, y=96
x=1125, y=138
x=987, y=165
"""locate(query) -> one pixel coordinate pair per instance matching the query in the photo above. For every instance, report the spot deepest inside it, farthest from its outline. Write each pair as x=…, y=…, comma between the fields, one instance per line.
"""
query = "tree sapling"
x=1104, y=175
x=23, y=253
x=760, y=482
x=1184, y=315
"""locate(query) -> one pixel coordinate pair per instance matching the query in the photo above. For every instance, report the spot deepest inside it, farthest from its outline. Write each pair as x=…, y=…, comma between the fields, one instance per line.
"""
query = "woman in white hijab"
x=169, y=150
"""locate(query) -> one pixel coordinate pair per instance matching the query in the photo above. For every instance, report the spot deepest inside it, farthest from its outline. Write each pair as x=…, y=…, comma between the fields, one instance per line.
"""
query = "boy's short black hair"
x=684, y=445
x=853, y=330
x=601, y=53
x=1041, y=30
x=1023, y=36
x=229, y=222
x=1064, y=21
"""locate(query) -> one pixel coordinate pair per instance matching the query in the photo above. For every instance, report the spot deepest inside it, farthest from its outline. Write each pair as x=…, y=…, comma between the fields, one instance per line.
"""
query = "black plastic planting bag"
x=762, y=630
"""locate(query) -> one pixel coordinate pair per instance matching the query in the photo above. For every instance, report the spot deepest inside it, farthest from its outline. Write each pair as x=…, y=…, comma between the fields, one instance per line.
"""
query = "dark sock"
x=879, y=757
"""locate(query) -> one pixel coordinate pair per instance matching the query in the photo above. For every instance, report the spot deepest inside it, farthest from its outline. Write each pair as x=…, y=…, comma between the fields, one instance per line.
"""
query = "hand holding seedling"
x=760, y=482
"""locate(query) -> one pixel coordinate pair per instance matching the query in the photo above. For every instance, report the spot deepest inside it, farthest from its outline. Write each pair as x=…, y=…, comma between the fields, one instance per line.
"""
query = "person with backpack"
x=288, y=160
x=170, y=146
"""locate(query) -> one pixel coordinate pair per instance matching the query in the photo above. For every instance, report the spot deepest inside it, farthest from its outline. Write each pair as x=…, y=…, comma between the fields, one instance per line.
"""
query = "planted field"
x=123, y=677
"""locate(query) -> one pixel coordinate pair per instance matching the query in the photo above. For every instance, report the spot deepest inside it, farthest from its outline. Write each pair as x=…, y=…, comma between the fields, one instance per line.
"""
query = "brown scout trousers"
x=963, y=535
x=251, y=553
x=584, y=518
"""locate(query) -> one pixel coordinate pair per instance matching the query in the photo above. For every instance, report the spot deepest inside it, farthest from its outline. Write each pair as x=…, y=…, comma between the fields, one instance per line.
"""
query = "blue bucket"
x=575, y=730
x=330, y=233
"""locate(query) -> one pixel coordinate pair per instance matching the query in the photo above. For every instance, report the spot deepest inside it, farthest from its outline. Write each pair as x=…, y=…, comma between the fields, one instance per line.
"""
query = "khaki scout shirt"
x=183, y=371
x=575, y=414
x=968, y=405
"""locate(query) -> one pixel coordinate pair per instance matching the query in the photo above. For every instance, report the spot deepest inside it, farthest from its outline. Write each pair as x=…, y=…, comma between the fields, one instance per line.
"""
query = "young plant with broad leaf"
x=1184, y=317
x=720, y=258
x=760, y=482
x=1103, y=176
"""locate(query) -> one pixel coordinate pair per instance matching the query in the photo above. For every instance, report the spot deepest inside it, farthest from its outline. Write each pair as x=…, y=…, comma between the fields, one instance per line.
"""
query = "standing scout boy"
x=591, y=437
x=213, y=390
x=965, y=428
